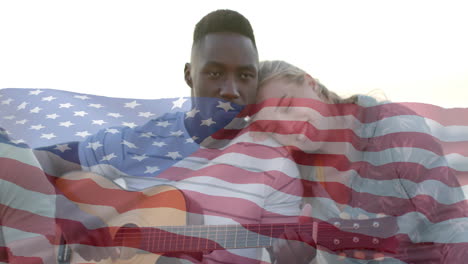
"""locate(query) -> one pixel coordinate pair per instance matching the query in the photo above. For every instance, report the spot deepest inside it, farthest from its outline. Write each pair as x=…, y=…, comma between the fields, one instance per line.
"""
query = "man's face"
x=225, y=66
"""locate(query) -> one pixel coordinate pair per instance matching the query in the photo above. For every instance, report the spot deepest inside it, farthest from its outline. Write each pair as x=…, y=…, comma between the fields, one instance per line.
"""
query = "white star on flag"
x=36, y=92
x=159, y=144
x=112, y=130
x=48, y=98
x=82, y=134
x=62, y=147
x=79, y=113
x=191, y=113
x=129, y=144
x=22, y=106
x=174, y=155
x=99, y=122
x=191, y=140
x=132, y=104
x=207, y=122
x=96, y=105
x=147, y=134
x=37, y=127
x=109, y=157
x=48, y=136
x=82, y=97
x=140, y=157
x=146, y=114
x=35, y=110
x=163, y=124
x=151, y=169
x=67, y=105
x=177, y=133
x=9, y=117
x=22, y=122
x=129, y=124
x=116, y=115
x=52, y=116
x=226, y=106
x=178, y=103
x=7, y=101
x=94, y=145
x=66, y=124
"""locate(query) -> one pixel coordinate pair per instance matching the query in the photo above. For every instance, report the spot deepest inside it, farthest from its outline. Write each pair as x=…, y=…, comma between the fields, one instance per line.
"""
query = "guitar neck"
x=201, y=238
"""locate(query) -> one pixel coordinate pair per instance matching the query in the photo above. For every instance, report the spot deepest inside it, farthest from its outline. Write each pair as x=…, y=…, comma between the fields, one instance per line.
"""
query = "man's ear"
x=188, y=78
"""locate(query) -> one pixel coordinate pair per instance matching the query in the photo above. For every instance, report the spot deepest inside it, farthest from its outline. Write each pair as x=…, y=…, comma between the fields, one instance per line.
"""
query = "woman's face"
x=292, y=122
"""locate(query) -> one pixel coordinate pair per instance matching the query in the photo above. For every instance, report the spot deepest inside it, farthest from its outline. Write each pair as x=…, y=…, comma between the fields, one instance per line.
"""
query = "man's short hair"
x=223, y=20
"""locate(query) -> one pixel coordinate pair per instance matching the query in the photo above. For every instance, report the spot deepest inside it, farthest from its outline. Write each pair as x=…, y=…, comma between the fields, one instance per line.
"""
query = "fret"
x=235, y=237
x=216, y=238
x=199, y=235
x=247, y=237
x=184, y=238
x=208, y=236
x=163, y=240
x=159, y=239
x=225, y=236
x=169, y=236
x=271, y=235
x=191, y=237
x=175, y=242
x=151, y=239
x=258, y=236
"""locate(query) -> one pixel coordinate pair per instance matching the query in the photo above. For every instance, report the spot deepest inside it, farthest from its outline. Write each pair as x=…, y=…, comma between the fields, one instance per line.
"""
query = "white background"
x=404, y=50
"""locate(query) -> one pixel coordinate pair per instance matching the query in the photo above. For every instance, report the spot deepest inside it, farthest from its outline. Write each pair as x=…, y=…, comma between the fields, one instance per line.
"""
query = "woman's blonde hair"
x=277, y=69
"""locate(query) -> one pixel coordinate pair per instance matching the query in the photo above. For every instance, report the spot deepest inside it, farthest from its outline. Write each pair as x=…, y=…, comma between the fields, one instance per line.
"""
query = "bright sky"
x=407, y=50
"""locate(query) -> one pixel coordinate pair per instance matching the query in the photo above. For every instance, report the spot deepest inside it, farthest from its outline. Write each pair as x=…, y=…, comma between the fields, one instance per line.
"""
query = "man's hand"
x=293, y=247
x=90, y=253
x=91, y=245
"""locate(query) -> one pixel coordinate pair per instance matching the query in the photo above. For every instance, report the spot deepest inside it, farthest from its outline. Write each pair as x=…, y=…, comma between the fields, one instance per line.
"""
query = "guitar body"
x=96, y=195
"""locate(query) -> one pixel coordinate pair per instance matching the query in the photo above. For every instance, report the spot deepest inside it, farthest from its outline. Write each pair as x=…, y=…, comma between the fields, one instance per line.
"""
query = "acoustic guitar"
x=146, y=224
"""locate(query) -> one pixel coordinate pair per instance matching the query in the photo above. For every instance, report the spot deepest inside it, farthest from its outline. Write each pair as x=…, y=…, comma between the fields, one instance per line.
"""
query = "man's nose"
x=229, y=90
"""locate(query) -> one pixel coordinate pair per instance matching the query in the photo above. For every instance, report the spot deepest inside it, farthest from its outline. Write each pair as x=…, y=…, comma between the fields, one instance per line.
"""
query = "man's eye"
x=246, y=75
x=214, y=74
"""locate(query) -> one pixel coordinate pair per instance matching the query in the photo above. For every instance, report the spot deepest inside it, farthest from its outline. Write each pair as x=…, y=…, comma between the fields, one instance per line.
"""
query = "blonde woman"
x=364, y=165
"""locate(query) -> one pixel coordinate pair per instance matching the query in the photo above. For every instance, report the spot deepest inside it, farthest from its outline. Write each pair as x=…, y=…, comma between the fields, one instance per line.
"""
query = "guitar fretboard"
x=199, y=238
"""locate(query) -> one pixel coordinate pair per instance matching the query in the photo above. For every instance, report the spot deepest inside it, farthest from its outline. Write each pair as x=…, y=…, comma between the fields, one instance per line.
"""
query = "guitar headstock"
x=356, y=235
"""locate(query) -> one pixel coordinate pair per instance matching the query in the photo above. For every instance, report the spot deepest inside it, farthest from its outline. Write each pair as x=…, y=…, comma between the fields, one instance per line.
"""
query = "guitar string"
x=128, y=231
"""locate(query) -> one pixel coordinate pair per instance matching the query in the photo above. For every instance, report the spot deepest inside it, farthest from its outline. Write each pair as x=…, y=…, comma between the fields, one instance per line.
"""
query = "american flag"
x=356, y=165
